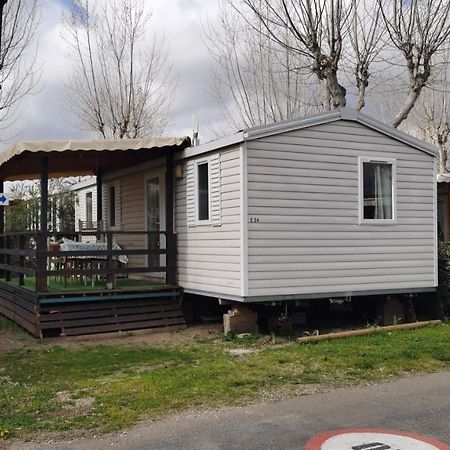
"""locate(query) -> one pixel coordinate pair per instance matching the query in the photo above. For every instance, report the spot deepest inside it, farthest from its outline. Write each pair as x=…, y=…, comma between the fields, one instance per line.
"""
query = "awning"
x=74, y=158
x=443, y=178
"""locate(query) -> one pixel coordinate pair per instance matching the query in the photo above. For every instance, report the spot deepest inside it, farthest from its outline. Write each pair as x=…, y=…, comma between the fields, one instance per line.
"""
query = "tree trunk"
x=337, y=92
x=442, y=159
x=362, y=81
x=407, y=107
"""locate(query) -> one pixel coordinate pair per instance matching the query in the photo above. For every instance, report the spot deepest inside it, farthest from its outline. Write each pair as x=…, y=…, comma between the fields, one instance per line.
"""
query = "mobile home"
x=332, y=205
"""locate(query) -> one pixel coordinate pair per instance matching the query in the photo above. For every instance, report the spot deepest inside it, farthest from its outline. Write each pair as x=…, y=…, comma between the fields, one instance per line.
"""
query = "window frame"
x=196, y=186
x=381, y=160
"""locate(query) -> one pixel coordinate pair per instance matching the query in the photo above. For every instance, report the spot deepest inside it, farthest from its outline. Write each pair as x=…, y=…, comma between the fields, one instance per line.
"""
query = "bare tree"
x=335, y=35
x=418, y=29
x=254, y=80
x=122, y=84
x=432, y=116
x=18, y=49
x=367, y=38
x=317, y=29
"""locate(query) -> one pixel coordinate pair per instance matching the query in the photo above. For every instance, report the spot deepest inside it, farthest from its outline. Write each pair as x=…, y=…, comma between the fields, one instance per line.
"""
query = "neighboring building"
x=336, y=204
x=443, y=206
x=85, y=204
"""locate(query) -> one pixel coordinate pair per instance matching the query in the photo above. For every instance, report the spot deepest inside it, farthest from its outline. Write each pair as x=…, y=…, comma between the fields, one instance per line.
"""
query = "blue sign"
x=4, y=199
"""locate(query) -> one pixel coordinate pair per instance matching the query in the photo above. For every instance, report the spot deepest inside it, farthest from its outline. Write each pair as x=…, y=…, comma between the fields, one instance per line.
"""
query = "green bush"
x=444, y=275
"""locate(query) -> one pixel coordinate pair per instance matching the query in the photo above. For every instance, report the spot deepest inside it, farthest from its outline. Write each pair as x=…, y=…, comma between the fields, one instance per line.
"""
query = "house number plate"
x=373, y=440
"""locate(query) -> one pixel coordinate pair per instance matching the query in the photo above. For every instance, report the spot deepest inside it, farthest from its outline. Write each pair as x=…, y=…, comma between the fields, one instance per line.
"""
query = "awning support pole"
x=171, y=259
x=41, y=259
x=99, y=199
x=2, y=231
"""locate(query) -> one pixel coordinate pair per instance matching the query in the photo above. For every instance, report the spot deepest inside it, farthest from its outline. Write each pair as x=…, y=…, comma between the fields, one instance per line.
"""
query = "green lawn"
x=53, y=388
x=72, y=284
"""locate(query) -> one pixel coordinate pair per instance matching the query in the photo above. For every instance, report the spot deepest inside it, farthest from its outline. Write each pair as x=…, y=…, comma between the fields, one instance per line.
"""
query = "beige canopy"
x=72, y=158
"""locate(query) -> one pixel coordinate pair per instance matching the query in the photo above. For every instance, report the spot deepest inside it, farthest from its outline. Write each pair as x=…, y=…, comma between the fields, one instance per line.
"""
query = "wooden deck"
x=84, y=290
x=72, y=313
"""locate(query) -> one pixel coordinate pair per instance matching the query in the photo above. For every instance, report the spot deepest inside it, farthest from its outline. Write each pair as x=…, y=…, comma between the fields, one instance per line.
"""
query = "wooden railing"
x=31, y=254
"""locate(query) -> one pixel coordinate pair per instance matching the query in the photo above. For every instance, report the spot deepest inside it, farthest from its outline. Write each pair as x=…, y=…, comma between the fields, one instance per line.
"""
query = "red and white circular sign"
x=373, y=439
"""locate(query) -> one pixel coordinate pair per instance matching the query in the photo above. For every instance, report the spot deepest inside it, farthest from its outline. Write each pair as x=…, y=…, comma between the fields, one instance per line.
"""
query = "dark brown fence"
x=37, y=254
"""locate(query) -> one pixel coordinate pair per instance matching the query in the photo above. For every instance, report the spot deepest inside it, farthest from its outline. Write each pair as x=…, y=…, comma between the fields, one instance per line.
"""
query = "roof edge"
x=253, y=133
x=349, y=114
x=226, y=141
x=346, y=113
x=392, y=132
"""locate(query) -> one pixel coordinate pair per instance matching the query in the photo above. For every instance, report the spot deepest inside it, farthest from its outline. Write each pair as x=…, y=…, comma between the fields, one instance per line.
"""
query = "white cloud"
x=45, y=116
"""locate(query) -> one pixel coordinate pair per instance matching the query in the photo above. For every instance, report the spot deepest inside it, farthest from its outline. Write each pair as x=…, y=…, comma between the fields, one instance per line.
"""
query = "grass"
x=49, y=388
x=57, y=285
x=10, y=326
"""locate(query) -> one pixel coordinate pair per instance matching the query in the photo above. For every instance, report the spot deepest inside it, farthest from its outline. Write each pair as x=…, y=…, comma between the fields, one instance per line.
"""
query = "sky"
x=44, y=115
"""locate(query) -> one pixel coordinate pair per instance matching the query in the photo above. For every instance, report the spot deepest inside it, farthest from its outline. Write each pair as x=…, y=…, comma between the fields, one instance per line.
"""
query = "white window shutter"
x=190, y=193
x=216, y=209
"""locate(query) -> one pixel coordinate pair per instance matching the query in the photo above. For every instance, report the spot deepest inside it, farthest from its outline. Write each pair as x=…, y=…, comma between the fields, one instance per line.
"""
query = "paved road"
x=417, y=405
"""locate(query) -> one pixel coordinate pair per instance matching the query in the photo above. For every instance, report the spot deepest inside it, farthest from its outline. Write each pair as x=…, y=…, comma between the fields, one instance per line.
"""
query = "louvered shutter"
x=216, y=213
x=106, y=202
x=190, y=193
x=118, y=206
x=105, y=206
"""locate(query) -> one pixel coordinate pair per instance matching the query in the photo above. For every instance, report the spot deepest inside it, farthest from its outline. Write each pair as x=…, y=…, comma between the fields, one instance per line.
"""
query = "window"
x=377, y=187
x=89, y=223
x=112, y=206
x=203, y=191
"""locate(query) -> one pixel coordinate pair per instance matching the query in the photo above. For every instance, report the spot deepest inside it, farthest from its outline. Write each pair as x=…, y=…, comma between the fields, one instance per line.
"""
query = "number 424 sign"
x=373, y=439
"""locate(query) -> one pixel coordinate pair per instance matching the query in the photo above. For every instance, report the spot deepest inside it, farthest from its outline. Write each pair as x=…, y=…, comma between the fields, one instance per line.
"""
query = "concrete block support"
x=240, y=319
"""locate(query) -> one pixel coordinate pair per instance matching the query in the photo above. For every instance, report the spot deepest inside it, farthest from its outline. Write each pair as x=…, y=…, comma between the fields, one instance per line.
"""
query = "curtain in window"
x=383, y=191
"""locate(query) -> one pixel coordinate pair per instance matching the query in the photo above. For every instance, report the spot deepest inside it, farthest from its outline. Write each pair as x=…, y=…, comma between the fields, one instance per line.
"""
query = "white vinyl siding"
x=209, y=255
x=304, y=235
x=80, y=205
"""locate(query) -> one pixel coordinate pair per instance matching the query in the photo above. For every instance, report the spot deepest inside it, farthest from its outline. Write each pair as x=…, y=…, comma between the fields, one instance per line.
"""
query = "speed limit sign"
x=373, y=439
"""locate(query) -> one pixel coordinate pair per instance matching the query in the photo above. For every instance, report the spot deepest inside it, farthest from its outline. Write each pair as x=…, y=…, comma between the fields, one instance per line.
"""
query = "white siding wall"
x=80, y=205
x=303, y=189
x=208, y=255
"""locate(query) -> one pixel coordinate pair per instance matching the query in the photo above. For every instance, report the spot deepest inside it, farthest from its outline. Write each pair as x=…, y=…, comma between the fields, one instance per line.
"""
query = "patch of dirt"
x=76, y=406
x=240, y=351
x=14, y=341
